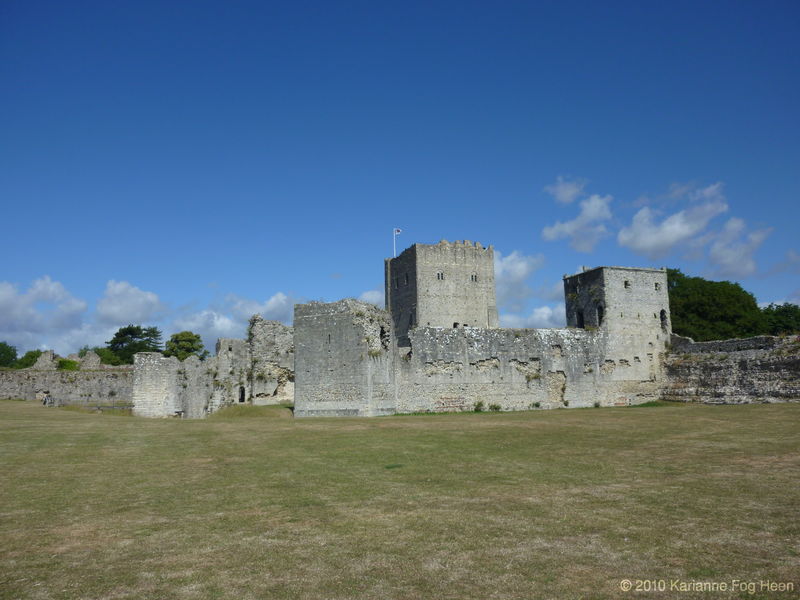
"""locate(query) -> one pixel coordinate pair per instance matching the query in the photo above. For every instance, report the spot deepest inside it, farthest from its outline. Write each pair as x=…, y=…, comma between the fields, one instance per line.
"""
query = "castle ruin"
x=437, y=346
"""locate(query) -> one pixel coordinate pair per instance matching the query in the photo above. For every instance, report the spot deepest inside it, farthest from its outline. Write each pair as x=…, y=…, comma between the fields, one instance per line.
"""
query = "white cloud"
x=732, y=250
x=123, y=303
x=790, y=265
x=210, y=325
x=279, y=307
x=684, y=229
x=39, y=317
x=540, y=317
x=375, y=297
x=511, y=274
x=585, y=230
x=565, y=191
x=551, y=293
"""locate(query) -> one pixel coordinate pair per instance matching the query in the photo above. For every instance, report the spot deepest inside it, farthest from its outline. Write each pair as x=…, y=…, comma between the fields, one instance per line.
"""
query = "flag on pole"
x=395, y=231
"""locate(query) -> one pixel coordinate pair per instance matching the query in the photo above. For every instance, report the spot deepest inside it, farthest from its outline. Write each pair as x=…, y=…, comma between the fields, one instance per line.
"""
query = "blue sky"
x=186, y=164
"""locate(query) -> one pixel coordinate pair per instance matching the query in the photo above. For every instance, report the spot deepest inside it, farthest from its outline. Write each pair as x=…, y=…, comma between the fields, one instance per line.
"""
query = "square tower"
x=441, y=285
x=623, y=301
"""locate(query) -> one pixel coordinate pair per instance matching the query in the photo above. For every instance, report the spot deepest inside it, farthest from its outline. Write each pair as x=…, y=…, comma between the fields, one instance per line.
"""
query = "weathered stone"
x=759, y=369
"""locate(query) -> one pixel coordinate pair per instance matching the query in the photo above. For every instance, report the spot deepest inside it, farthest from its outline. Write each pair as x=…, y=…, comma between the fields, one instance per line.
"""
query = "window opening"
x=581, y=323
x=241, y=394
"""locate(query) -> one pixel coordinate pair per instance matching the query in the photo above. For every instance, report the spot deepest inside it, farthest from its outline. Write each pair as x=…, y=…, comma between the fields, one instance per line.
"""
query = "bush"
x=65, y=364
x=494, y=407
x=478, y=406
x=28, y=359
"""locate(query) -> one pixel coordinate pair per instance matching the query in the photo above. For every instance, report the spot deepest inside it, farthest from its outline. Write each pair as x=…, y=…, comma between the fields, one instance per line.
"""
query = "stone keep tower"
x=441, y=285
x=629, y=304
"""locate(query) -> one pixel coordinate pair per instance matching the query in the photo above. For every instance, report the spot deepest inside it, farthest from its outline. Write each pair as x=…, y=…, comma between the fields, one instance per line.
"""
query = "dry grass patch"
x=550, y=504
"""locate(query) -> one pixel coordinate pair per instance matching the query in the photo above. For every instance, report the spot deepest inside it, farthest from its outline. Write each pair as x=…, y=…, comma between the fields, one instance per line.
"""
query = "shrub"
x=478, y=406
x=28, y=359
x=494, y=407
x=65, y=364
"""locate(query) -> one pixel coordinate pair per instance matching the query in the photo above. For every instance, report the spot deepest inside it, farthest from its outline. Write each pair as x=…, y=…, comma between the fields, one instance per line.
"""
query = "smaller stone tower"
x=441, y=285
x=624, y=302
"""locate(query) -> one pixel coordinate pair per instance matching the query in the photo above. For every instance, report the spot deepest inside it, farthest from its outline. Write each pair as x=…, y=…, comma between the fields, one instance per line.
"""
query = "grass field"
x=255, y=504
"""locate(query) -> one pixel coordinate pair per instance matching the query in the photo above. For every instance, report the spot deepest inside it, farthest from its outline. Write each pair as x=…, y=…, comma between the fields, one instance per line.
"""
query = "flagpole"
x=395, y=231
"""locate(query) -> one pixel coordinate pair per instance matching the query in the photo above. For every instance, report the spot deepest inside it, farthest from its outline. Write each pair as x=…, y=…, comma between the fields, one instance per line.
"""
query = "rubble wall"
x=155, y=385
x=343, y=360
x=96, y=387
x=517, y=369
x=346, y=366
x=759, y=369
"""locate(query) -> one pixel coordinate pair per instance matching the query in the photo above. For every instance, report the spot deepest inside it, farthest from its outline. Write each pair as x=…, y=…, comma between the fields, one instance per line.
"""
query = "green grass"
x=540, y=504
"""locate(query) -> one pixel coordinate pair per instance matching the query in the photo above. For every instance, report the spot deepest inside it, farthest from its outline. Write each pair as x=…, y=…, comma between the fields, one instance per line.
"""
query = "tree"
x=107, y=357
x=712, y=310
x=132, y=339
x=782, y=318
x=8, y=354
x=185, y=344
x=28, y=359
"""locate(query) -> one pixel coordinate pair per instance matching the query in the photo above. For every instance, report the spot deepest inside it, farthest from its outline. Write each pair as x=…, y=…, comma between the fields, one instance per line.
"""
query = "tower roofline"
x=589, y=270
x=445, y=244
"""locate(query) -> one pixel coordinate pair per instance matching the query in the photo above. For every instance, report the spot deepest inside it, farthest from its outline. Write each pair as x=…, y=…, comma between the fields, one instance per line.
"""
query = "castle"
x=438, y=346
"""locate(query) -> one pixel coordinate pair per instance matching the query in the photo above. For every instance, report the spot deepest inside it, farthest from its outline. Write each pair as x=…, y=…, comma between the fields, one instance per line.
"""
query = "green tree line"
x=719, y=310
x=119, y=350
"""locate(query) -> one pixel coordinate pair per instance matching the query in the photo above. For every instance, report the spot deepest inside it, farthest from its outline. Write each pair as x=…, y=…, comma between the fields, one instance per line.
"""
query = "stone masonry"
x=437, y=346
x=258, y=370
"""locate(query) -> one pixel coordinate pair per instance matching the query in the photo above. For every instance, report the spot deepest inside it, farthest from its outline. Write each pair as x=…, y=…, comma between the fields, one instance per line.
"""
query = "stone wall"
x=105, y=387
x=346, y=365
x=343, y=360
x=759, y=369
x=258, y=370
